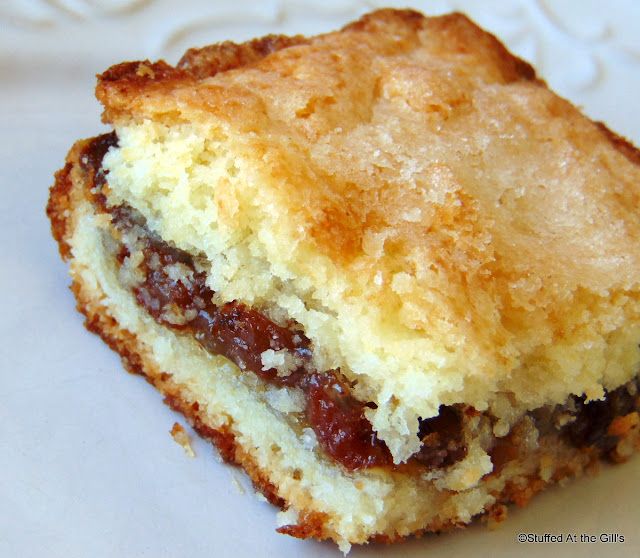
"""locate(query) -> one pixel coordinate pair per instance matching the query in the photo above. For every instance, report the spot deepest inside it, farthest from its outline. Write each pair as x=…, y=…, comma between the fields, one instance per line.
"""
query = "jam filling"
x=590, y=428
x=183, y=302
x=174, y=292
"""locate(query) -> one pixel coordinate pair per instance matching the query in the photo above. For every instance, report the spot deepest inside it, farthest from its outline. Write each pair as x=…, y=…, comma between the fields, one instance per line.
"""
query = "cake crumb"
x=179, y=434
x=283, y=361
x=145, y=71
x=496, y=514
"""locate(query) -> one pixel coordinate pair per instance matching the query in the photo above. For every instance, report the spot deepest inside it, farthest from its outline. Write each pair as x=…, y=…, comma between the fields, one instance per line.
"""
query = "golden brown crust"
x=461, y=27
x=623, y=145
x=57, y=205
x=309, y=526
x=130, y=79
x=119, y=87
x=210, y=60
x=196, y=64
x=131, y=75
x=460, y=32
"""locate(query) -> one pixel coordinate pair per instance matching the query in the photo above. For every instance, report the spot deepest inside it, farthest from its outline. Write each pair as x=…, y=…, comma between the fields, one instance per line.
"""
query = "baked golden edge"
x=66, y=193
x=124, y=88
x=130, y=77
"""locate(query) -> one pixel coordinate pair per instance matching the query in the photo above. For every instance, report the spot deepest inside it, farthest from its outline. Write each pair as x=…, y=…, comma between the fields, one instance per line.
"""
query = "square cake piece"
x=385, y=270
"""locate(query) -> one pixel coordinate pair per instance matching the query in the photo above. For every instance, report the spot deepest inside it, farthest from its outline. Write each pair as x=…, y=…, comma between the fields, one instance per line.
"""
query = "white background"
x=87, y=467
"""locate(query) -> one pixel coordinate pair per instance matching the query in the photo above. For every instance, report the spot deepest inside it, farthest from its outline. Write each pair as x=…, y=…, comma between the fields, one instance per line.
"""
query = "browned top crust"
x=461, y=35
x=131, y=79
x=209, y=60
x=120, y=86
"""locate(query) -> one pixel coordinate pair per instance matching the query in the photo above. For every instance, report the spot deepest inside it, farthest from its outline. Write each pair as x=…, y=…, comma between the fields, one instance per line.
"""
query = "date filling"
x=171, y=287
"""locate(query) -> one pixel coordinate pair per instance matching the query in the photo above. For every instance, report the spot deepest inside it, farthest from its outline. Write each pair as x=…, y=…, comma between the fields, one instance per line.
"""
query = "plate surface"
x=88, y=466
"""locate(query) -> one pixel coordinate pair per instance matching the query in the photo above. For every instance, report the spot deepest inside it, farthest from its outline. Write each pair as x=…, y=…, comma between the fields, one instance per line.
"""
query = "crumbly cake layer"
x=445, y=228
x=171, y=286
x=232, y=408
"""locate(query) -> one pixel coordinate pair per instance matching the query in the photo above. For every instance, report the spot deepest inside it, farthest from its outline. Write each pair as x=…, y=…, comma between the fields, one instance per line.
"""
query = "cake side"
x=442, y=241
x=224, y=404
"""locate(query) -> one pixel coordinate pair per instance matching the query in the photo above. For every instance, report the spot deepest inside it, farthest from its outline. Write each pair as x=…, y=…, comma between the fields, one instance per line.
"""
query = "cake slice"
x=385, y=270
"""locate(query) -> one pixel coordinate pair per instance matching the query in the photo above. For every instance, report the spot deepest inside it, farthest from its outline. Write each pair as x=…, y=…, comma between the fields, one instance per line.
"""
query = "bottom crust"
x=325, y=501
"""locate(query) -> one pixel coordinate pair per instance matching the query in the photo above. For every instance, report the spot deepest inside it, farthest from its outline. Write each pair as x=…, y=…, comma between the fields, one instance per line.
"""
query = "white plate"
x=87, y=467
